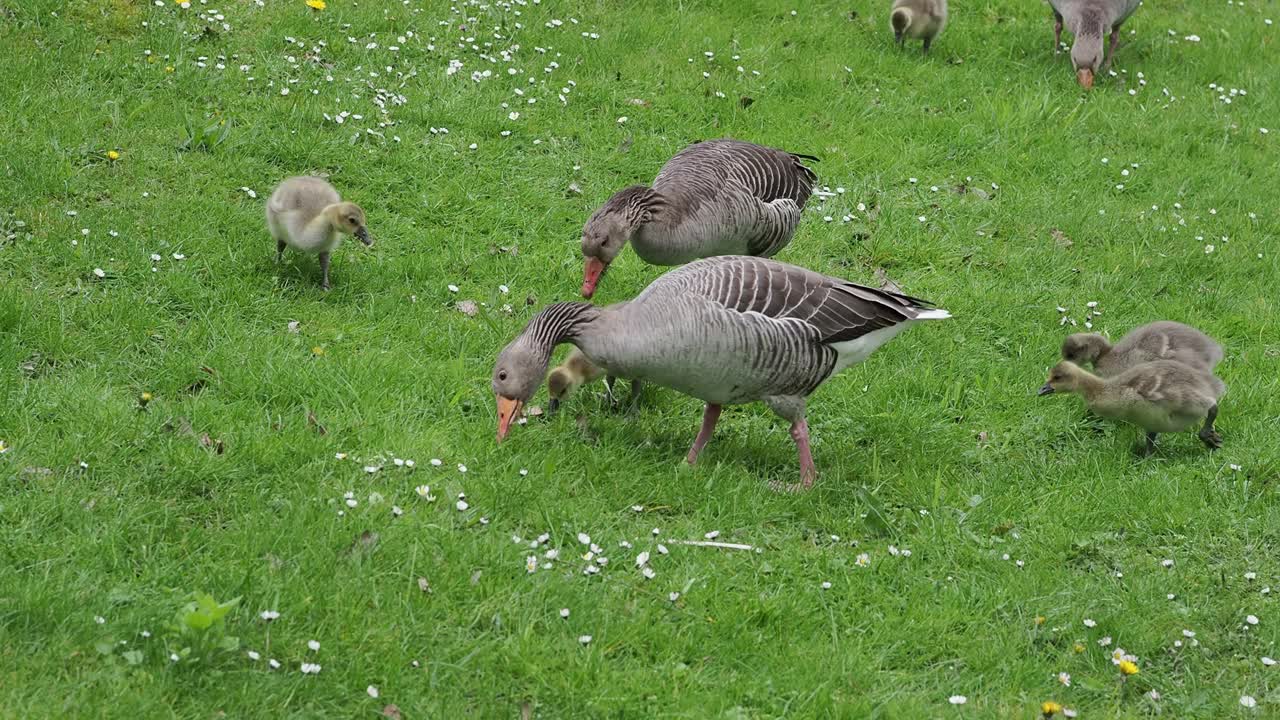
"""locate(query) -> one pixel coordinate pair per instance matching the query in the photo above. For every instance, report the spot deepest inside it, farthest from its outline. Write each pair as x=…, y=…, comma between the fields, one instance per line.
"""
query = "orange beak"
x=1085, y=76
x=508, y=412
x=591, y=276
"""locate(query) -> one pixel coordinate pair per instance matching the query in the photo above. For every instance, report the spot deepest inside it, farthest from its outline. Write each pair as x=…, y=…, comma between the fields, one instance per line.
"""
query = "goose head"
x=1066, y=377
x=610, y=229
x=604, y=236
x=516, y=377
x=1086, y=58
x=1084, y=348
x=346, y=217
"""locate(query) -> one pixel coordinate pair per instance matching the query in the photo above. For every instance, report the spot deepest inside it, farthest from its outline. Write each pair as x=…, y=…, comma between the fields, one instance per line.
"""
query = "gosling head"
x=1066, y=377
x=560, y=384
x=610, y=229
x=1086, y=58
x=1084, y=348
x=347, y=217
x=900, y=20
x=516, y=377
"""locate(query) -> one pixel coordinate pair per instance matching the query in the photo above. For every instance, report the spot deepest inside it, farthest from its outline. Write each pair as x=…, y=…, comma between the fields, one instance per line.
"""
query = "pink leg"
x=709, y=417
x=808, y=472
x=1115, y=40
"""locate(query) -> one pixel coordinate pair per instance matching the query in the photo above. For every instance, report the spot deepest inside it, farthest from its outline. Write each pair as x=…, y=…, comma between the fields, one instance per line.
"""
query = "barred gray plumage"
x=719, y=197
x=727, y=330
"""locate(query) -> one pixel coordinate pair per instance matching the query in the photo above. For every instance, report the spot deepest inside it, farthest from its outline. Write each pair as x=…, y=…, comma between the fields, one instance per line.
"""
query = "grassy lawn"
x=977, y=540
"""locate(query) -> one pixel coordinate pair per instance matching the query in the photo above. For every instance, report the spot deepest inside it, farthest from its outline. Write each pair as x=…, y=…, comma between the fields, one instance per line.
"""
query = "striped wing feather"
x=834, y=309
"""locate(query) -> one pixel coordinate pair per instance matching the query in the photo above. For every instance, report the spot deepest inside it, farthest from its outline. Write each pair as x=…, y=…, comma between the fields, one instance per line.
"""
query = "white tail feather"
x=935, y=314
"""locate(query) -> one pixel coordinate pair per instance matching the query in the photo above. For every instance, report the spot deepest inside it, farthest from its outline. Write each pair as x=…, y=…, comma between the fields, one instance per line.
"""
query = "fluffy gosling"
x=306, y=214
x=1159, y=396
x=918, y=20
x=573, y=373
x=1163, y=340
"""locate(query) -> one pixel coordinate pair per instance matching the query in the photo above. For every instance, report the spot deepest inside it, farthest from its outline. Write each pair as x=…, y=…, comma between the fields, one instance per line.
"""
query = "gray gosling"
x=306, y=214
x=577, y=370
x=918, y=20
x=1160, y=397
x=1163, y=340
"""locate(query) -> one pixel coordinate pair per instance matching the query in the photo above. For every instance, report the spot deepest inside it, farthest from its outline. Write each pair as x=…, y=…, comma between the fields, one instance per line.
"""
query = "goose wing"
x=830, y=309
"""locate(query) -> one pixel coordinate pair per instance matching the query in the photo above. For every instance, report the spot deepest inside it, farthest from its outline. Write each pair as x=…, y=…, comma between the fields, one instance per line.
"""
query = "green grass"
x=937, y=444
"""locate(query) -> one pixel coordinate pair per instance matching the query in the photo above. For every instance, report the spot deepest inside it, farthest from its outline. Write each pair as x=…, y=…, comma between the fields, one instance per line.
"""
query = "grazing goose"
x=576, y=371
x=1089, y=20
x=727, y=330
x=1159, y=396
x=305, y=213
x=720, y=197
x=918, y=19
x=1163, y=340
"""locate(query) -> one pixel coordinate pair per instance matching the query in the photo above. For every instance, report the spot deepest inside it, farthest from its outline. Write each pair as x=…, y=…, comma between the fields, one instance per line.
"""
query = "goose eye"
x=502, y=375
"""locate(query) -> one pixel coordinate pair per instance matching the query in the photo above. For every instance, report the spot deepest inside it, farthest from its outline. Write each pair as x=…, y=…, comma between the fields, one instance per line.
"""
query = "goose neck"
x=560, y=322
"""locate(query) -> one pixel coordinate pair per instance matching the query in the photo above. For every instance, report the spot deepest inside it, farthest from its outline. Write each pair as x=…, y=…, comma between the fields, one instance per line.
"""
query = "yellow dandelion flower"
x=316, y=4
x=1050, y=708
x=1039, y=620
x=145, y=398
x=168, y=68
x=317, y=351
x=1128, y=667
x=113, y=155
x=1077, y=648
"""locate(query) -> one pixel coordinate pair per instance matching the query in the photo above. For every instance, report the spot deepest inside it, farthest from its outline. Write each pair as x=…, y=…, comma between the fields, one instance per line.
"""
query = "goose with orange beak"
x=513, y=384
x=719, y=197
x=1089, y=20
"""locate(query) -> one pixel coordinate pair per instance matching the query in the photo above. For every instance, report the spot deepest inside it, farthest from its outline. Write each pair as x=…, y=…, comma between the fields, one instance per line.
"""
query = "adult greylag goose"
x=719, y=197
x=306, y=213
x=1163, y=340
x=918, y=19
x=1089, y=20
x=726, y=330
x=1159, y=396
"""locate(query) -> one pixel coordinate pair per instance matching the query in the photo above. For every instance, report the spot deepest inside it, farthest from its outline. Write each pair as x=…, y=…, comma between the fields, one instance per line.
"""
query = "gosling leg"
x=324, y=270
x=1149, y=446
x=1208, y=435
x=1057, y=33
x=633, y=402
x=279, y=251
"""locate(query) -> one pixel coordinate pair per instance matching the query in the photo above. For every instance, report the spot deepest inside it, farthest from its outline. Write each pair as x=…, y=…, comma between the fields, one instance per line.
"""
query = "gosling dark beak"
x=1085, y=76
x=1045, y=389
x=508, y=412
x=362, y=234
x=897, y=36
x=553, y=404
